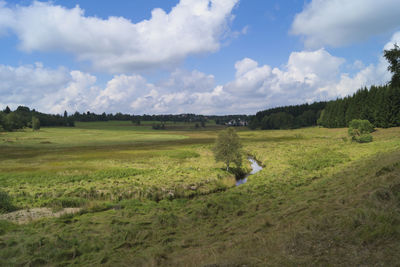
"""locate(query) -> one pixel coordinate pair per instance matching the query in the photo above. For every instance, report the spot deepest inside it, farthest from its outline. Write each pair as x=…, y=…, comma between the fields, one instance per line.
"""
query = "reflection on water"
x=255, y=167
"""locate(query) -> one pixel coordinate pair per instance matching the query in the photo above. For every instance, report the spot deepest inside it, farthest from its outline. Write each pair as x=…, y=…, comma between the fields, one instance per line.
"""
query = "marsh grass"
x=6, y=204
x=109, y=162
x=149, y=202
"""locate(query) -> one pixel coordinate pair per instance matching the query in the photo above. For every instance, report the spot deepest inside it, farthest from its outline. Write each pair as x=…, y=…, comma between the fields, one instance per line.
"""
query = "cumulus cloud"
x=116, y=44
x=184, y=92
x=299, y=80
x=342, y=22
x=49, y=90
x=77, y=94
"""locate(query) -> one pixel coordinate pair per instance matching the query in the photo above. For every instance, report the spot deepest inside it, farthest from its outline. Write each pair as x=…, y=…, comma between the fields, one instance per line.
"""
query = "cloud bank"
x=308, y=76
x=116, y=44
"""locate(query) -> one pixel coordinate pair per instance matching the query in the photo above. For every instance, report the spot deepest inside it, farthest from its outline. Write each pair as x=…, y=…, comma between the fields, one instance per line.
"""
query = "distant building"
x=237, y=122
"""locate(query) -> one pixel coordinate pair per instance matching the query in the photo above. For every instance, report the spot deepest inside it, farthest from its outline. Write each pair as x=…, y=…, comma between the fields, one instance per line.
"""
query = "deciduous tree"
x=228, y=148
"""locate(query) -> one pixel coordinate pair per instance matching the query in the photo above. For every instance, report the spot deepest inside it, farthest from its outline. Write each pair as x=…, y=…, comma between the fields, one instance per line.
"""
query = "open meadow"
x=145, y=197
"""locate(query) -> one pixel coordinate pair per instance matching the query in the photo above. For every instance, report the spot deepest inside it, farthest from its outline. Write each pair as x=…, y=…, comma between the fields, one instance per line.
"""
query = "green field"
x=147, y=197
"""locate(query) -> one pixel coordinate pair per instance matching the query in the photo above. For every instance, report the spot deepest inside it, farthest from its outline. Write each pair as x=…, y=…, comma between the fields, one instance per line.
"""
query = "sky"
x=190, y=56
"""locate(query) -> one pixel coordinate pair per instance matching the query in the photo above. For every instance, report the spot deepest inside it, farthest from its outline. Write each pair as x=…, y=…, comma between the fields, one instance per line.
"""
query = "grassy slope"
x=320, y=200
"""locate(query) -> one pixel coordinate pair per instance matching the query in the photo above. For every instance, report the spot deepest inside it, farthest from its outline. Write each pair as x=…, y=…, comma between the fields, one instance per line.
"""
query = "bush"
x=5, y=203
x=365, y=138
x=359, y=131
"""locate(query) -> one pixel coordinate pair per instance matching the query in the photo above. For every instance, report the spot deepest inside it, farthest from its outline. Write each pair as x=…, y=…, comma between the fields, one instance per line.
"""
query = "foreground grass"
x=320, y=200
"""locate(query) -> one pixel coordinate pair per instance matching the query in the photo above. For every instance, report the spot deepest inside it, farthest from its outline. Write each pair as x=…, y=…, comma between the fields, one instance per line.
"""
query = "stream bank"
x=255, y=167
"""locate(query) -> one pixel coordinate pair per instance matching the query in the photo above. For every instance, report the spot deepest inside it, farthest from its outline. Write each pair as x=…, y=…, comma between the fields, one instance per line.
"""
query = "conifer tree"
x=393, y=57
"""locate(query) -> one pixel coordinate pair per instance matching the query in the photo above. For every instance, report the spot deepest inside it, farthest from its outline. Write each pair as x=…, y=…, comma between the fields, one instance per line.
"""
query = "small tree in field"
x=228, y=148
x=35, y=124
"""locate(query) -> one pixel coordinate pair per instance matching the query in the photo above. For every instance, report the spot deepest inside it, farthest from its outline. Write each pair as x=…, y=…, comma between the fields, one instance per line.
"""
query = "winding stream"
x=255, y=167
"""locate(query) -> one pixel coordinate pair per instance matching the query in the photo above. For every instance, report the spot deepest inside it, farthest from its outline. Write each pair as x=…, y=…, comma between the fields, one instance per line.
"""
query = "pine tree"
x=7, y=110
x=393, y=57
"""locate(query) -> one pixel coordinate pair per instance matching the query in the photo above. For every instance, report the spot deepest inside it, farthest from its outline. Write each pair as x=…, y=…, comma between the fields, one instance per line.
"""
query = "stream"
x=255, y=167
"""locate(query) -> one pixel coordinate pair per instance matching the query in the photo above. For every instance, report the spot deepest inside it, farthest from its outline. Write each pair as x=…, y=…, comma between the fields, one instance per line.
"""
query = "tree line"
x=90, y=116
x=25, y=117
x=288, y=117
x=380, y=105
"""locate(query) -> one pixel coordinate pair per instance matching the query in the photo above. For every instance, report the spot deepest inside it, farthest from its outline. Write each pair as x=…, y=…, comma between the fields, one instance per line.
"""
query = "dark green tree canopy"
x=7, y=110
x=393, y=57
x=35, y=124
x=380, y=105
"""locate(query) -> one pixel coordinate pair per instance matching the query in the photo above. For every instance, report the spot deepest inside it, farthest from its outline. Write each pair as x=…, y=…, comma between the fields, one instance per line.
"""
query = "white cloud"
x=116, y=44
x=19, y=85
x=77, y=94
x=342, y=22
x=297, y=82
x=120, y=92
x=183, y=92
x=394, y=40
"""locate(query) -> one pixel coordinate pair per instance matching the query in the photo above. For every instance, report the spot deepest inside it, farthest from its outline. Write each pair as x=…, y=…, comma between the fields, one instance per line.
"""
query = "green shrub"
x=5, y=203
x=365, y=138
x=359, y=131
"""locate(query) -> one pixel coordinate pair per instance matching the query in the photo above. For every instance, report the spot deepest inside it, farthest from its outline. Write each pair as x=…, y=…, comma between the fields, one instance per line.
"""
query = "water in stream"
x=255, y=167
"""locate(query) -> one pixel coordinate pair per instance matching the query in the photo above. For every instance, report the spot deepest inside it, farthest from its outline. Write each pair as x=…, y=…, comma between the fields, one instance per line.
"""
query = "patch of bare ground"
x=29, y=215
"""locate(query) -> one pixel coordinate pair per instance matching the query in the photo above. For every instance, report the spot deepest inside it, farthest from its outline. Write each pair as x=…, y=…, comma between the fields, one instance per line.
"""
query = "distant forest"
x=188, y=117
x=24, y=117
x=288, y=117
x=380, y=105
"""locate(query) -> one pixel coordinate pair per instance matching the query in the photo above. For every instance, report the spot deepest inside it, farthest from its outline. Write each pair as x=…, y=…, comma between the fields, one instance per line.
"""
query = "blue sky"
x=190, y=56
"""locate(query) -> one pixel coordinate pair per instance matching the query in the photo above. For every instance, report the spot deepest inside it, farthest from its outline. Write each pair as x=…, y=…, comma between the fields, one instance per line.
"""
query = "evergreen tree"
x=7, y=110
x=393, y=57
